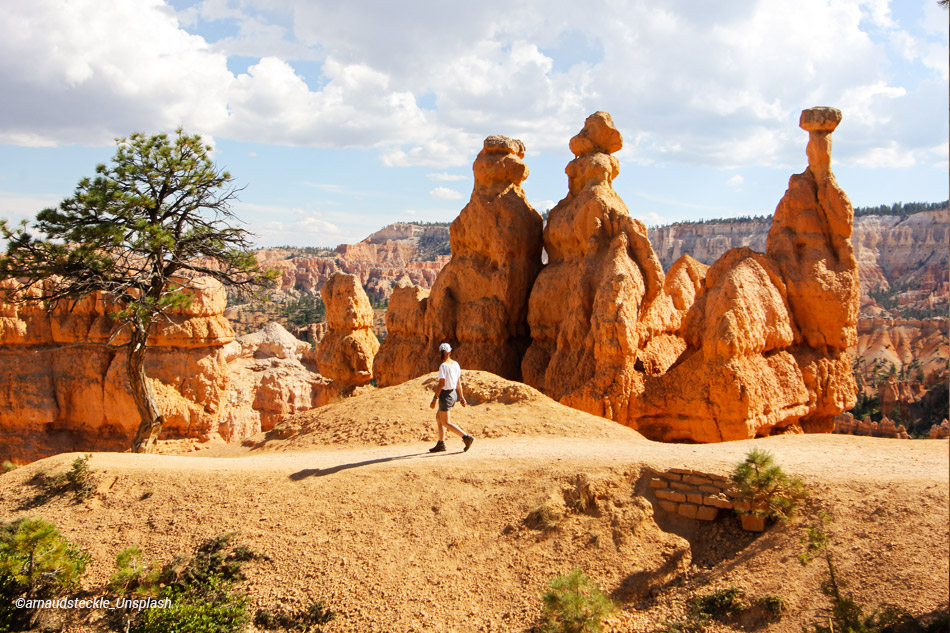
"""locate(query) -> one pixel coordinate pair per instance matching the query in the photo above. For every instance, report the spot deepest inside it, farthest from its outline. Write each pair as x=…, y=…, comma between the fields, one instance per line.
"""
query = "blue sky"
x=341, y=117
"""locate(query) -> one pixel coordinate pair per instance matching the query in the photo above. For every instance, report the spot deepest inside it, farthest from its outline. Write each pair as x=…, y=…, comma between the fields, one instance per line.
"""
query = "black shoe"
x=467, y=440
x=439, y=448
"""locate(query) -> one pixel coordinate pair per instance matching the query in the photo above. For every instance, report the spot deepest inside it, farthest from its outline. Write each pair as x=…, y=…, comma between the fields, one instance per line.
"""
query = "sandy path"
x=825, y=457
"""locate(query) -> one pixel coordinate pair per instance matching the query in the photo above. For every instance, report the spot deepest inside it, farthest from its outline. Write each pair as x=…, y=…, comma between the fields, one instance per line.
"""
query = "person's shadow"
x=321, y=472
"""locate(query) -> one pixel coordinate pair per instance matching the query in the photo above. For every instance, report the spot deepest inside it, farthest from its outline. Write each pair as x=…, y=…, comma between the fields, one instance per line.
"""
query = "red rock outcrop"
x=754, y=344
x=602, y=275
x=810, y=241
x=63, y=389
x=735, y=378
x=847, y=424
x=478, y=302
x=346, y=352
x=941, y=432
x=397, y=358
x=899, y=395
x=269, y=382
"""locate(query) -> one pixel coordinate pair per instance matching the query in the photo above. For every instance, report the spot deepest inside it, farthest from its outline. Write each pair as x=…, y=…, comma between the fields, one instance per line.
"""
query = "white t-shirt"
x=451, y=372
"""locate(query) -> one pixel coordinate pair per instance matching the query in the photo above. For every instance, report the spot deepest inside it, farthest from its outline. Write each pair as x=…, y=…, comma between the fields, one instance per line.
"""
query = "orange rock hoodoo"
x=588, y=305
x=753, y=344
x=346, y=352
x=479, y=300
x=767, y=337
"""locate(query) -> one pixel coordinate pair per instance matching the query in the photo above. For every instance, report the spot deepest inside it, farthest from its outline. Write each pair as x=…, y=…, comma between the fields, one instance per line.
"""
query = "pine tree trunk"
x=151, y=421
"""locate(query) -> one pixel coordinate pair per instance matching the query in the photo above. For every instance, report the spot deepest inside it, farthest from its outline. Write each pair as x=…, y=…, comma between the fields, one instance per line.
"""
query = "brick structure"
x=692, y=494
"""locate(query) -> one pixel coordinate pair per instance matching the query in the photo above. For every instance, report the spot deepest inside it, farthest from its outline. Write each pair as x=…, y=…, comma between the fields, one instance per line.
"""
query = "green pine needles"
x=136, y=234
x=764, y=489
x=36, y=562
x=574, y=604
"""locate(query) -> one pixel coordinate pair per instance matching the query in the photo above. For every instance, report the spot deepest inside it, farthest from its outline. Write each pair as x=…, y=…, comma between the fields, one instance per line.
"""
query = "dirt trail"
x=824, y=457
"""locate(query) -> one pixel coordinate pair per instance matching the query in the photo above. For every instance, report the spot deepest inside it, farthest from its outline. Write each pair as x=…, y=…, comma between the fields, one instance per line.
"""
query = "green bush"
x=719, y=604
x=35, y=562
x=78, y=479
x=132, y=576
x=209, y=607
x=574, y=604
x=764, y=490
x=773, y=606
x=200, y=593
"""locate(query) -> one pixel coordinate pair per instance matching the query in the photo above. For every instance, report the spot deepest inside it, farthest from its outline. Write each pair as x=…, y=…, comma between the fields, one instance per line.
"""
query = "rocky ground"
x=349, y=507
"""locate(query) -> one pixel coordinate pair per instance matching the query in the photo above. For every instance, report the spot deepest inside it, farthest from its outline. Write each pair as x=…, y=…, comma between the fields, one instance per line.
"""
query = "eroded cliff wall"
x=62, y=388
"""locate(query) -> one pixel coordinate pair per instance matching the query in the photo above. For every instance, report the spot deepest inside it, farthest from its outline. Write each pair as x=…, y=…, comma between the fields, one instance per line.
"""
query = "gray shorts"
x=447, y=398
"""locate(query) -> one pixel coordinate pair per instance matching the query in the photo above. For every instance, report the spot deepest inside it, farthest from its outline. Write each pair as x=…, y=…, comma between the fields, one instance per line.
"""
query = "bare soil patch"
x=401, y=414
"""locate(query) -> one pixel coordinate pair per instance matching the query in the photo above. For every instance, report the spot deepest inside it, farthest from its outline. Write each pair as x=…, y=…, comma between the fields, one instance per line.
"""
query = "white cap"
x=445, y=347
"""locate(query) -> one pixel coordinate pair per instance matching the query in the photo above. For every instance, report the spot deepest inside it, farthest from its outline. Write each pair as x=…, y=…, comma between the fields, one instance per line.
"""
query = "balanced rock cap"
x=822, y=118
x=498, y=144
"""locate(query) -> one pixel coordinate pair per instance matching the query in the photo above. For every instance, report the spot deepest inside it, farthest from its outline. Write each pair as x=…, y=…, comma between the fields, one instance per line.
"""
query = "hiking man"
x=446, y=394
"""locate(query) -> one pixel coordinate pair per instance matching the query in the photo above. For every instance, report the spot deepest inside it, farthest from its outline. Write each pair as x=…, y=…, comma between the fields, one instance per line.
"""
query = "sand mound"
x=401, y=415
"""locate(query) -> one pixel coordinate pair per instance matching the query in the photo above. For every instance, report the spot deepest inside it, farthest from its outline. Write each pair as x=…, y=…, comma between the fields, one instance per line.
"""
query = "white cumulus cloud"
x=444, y=193
x=445, y=177
x=716, y=84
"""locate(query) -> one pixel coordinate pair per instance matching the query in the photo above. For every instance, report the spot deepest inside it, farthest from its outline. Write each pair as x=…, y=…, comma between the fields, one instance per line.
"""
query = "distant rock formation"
x=707, y=241
x=910, y=251
x=379, y=260
x=906, y=256
x=941, y=432
x=904, y=343
x=847, y=424
x=346, y=352
x=899, y=395
x=58, y=395
x=269, y=382
x=478, y=302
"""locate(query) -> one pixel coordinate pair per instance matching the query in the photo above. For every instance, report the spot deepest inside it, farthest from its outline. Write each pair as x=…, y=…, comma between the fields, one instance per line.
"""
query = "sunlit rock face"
x=347, y=351
x=63, y=389
x=755, y=344
x=479, y=301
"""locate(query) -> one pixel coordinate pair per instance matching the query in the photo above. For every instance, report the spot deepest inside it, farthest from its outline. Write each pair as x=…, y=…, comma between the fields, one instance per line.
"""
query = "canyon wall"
x=906, y=255
x=62, y=388
x=378, y=261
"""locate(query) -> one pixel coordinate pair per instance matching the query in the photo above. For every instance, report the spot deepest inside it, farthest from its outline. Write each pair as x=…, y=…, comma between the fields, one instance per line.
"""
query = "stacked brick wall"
x=693, y=494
